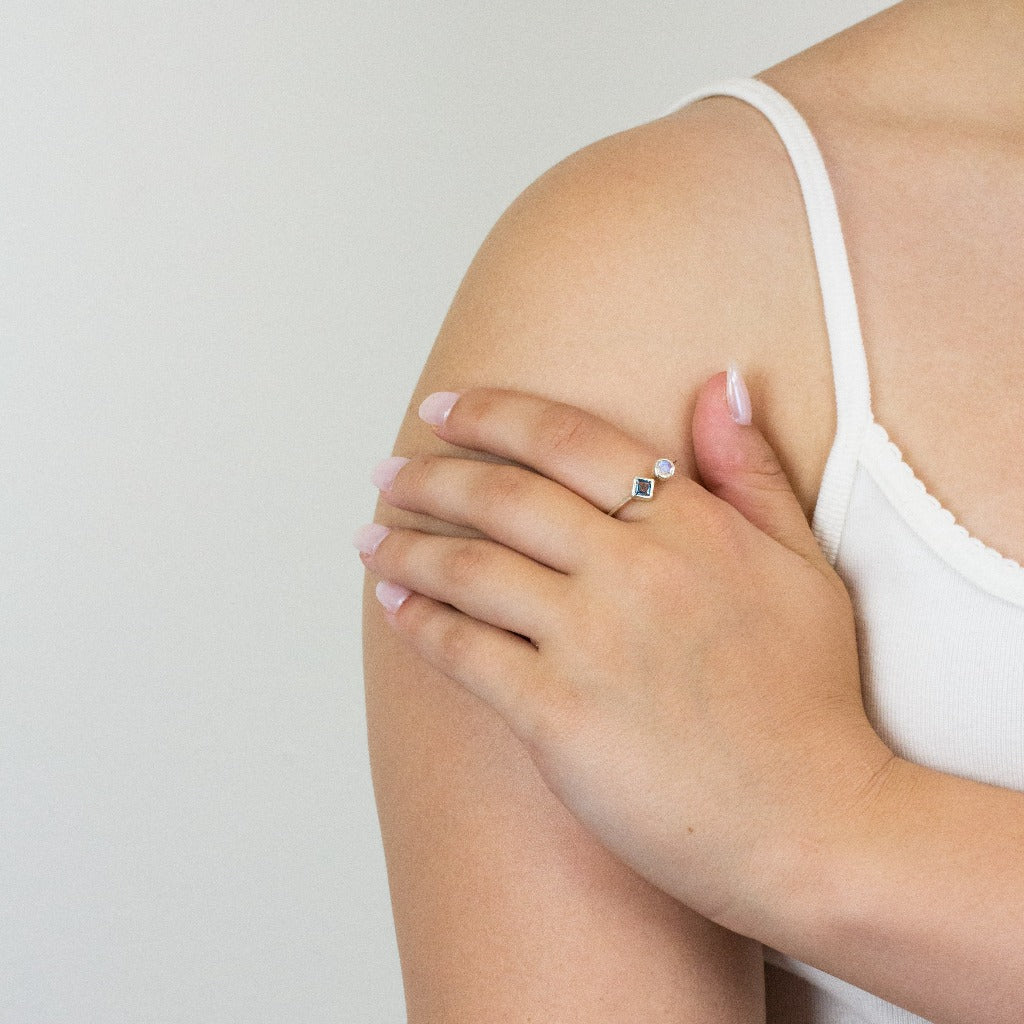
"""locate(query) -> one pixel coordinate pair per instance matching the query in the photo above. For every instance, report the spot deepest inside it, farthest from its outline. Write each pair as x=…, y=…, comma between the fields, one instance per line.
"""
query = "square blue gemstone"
x=643, y=487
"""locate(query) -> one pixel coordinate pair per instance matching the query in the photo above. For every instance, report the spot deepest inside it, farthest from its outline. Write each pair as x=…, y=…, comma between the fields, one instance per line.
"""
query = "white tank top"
x=940, y=615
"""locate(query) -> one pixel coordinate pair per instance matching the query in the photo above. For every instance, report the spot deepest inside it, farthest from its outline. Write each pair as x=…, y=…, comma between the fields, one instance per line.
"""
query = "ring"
x=643, y=486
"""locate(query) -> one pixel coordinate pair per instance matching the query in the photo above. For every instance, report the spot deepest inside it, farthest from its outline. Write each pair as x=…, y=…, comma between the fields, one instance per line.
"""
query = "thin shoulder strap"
x=849, y=366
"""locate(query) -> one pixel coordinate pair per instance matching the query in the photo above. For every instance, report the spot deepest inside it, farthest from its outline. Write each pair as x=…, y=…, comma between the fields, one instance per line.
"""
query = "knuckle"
x=562, y=429
x=420, y=474
x=462, y=563
x=762, y=466
x=650, y=568
x=634, y=554
x=716, y=523
x=502, y=487
x=453, y=644
x=475, y=409
x=723, y=524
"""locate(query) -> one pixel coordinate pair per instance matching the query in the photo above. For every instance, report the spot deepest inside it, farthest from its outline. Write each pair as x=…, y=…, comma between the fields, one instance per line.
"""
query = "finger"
x=480, y=578
x=498, y=667
x=510, y=504
x=583, y=452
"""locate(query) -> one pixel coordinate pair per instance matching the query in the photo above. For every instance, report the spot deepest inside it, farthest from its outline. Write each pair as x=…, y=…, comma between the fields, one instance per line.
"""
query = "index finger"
x=578, y=449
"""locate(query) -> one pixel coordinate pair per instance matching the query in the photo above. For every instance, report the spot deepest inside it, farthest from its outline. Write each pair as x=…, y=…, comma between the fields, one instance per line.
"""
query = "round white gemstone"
x=664, y=468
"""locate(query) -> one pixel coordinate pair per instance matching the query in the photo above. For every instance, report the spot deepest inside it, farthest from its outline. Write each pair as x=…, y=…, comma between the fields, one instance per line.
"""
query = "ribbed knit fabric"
x=940, y=615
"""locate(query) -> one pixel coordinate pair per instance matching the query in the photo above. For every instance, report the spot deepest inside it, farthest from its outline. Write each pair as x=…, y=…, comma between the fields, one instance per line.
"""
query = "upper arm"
x=616, y=282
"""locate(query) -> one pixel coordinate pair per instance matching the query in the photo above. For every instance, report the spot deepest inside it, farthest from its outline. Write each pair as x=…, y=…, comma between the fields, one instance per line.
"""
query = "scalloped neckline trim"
x=935, y=524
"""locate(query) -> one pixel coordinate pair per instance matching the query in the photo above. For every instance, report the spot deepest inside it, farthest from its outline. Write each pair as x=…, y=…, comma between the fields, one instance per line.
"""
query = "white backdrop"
x=229, y=232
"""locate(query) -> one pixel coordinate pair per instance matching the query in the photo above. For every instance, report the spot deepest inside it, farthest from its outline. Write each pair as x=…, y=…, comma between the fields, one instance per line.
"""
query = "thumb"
x=737, y=464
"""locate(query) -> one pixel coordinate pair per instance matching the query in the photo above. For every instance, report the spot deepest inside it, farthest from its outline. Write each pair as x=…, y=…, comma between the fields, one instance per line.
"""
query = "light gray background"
x=229, y=233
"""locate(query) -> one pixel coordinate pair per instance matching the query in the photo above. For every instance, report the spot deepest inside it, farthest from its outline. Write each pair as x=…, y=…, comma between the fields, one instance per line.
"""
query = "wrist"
x=820, y=875
x=915, y=895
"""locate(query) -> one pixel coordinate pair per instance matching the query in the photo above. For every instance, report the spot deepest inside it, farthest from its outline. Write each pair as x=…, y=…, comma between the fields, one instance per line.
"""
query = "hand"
x=685, y=675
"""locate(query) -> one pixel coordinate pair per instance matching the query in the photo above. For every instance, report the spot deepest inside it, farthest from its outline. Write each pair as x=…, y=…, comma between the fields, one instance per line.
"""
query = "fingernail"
x=386, y=470
x=736, y=395
x=368, y=536
x=434, y=408
x=391, y=595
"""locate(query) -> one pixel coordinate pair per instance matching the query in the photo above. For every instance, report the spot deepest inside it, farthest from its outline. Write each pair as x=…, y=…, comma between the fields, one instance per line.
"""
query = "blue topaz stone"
x=643, y=487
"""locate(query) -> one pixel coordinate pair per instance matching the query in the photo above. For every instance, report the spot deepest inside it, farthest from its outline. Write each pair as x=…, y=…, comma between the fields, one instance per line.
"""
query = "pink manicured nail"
x=368, y=536
x=391, y=595
x=384, y=472
x=737, y=396
x=434, y=408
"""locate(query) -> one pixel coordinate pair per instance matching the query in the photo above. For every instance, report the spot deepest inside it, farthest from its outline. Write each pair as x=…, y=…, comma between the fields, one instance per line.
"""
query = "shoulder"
x=702, y=204
x=637, y=267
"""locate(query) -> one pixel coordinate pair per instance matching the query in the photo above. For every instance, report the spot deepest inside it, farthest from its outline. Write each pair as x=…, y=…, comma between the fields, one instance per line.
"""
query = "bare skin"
x=504, y=909
x=919, y=115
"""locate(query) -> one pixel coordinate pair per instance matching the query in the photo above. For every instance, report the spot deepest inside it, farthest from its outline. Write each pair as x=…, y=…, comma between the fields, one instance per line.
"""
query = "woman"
x=698, y=774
